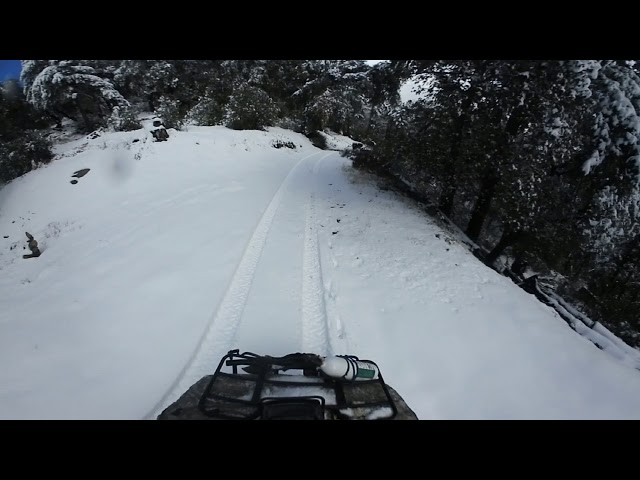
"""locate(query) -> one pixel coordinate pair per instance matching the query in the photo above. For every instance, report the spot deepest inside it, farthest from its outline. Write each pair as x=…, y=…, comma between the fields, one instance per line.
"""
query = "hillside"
x=166, y=255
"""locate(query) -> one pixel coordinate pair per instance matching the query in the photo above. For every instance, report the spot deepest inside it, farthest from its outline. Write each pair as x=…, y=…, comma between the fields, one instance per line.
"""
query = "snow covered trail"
x=454, y=337
x=275, y=299
x=285, y=311
x=133, y=265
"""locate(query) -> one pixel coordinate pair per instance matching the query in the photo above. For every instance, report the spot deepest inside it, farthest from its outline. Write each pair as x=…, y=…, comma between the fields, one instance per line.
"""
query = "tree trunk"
x=445, y=203
x=449, y=192
x=370, y=120
x=620, y=287
x=481, y=209
x=630, y=256
x=58, y=120
x=508, y=238
x=87, y=122
x=390, y=128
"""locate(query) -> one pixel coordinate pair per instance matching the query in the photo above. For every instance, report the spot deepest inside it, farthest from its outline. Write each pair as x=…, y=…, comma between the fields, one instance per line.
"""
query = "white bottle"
x=349, y=368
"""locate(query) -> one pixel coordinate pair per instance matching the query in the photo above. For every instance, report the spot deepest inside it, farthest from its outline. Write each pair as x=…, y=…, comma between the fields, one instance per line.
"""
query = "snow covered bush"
x=206, y=112
x=72, y=89
x=293, y=122
x=169, y=111
x=123, y=119
x=250, y=108
x=23, y=154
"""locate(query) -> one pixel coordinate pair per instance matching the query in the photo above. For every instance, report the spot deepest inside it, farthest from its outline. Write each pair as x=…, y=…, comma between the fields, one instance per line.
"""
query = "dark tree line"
x=306, y=95
x=23, y=146
x=534, y=159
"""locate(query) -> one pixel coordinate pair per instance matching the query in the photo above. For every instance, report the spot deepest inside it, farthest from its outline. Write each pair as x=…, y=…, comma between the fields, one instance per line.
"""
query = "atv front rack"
x=291, y=387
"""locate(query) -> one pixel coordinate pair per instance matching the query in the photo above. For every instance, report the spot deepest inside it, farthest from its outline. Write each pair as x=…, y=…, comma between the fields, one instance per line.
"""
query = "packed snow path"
x=278, y=282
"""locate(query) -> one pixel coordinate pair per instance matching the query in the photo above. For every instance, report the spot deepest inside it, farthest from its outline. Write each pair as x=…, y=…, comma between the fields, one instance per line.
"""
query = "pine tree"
x=65, y=88
x=250, y=108
x=23, y=146
x=614, y=164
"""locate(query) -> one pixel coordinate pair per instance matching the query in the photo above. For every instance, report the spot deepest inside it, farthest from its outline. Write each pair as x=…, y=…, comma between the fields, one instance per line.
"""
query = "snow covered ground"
x=164, y=256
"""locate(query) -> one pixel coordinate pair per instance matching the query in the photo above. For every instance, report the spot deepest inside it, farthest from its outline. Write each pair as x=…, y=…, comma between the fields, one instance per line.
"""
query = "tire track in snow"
x=338, y=338
x=333, y=327
x=220, y=333
x=315, y=330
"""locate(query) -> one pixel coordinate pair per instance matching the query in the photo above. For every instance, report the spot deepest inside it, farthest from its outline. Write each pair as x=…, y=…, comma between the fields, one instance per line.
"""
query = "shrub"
x=123, y=119
x=251, y=108
x=24, y=154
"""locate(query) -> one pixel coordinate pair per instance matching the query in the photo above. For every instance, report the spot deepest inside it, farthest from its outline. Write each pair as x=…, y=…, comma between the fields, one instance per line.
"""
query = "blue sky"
x=9, y=69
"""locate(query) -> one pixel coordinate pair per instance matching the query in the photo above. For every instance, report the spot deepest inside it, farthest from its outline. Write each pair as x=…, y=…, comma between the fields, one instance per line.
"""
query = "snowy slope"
x=166, y=255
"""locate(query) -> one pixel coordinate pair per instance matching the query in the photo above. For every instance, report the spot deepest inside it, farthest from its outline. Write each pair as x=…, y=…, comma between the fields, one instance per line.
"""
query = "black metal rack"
x=263, y=392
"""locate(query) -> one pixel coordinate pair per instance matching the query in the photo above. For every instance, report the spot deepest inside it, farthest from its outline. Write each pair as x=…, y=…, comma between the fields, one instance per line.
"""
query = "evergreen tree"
x=65, y=88
x=250, y=108
x=614, y=164
x=23, y=146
